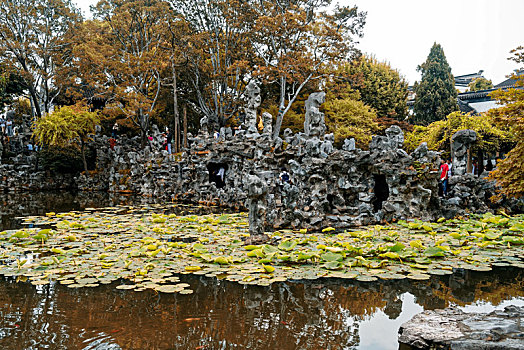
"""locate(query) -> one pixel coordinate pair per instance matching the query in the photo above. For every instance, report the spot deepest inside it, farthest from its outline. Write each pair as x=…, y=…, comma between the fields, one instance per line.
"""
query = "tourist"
x=169, y=140
x=474, y=167
x=284, y=177
x=2, y=125
x=114, y=131
x=450, y=165
x=9, y=125
x=444, y=177
x=221, y=172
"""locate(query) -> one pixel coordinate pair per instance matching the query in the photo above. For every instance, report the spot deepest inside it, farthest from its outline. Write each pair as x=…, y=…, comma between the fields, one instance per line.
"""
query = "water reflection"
x=324, y=314
x=223, y=315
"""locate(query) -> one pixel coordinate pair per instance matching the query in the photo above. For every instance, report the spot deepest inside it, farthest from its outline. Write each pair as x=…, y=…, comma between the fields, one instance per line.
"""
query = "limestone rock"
x=314, y=124
x=454, y=329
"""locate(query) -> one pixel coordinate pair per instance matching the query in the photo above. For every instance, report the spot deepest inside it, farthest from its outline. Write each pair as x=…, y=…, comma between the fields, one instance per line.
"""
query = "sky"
x=475, y=34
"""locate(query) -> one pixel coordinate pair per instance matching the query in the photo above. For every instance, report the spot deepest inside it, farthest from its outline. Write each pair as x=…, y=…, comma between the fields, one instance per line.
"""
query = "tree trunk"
x=143, y=138
x=34, y=100
x=281, y=108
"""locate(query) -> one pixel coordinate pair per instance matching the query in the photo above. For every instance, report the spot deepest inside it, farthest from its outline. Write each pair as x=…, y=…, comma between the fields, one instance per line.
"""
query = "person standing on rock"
x=114, y=132
x=444, y=177
x=169, y=140
x=9, y=127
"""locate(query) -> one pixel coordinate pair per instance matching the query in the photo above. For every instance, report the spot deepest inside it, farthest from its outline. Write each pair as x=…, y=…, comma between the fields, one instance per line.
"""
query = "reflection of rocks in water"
x=393, y=308
x=323, y=314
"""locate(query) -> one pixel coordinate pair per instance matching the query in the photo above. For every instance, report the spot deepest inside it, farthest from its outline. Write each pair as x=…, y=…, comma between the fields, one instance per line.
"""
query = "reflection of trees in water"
x=322, y=314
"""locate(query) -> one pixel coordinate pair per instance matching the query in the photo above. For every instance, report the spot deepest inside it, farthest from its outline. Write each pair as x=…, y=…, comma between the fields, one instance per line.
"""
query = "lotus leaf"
x=329, y=256
x=287, y=245
x=268, y=268
x=434, y=252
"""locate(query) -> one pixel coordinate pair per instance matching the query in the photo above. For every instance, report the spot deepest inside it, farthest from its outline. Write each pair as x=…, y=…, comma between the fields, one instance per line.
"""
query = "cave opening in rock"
x=381, y=190
x=217, y=173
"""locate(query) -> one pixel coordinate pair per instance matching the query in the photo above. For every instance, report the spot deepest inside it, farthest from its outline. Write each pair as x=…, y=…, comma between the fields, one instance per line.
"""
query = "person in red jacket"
x=444, y=177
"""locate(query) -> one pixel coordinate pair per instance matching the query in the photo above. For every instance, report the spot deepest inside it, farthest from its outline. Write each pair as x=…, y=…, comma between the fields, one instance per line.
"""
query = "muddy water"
x=324, y=314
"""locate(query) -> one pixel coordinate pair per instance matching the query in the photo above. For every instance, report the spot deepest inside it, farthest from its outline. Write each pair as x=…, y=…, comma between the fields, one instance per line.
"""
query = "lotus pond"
x=166, y=276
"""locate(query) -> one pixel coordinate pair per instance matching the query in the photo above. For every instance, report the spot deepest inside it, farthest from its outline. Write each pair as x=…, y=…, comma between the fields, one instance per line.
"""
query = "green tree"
x=68, y=126
x=438, y=134
x=379, y=85
x=480, y=84
x=436, y=96
x=509, y=173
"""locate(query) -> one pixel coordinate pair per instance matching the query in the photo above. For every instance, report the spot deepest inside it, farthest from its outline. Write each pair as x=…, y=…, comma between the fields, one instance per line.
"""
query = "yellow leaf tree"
x=68, y=126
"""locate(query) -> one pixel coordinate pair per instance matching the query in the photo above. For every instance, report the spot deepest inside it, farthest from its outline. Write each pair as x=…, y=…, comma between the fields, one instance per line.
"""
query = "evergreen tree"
x=436, y=96
x=480, y=84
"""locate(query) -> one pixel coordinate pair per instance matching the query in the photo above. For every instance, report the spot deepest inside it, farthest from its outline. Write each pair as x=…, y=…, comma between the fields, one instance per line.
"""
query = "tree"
x=480, y=84
x=509, y=172
x=31, y=36
x=350, y=118
x=438, y=134
x=12, y=85
x=297, y=44
x=133, y=58
x=379, y=86
x=219, y=54
x=67, y=126
x=436, y=96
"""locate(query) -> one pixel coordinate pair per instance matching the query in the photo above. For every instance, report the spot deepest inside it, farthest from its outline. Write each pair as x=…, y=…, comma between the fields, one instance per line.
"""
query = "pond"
x=321, y=314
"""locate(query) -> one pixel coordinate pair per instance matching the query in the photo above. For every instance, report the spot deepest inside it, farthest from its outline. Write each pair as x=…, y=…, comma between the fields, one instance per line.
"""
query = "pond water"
x=320, y=314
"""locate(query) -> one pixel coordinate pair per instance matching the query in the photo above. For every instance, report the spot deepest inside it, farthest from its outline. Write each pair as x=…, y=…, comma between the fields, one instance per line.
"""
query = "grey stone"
x=454, y=329
x=314, y=124
x=253, y=102
x=460, y=143
x=349, y=144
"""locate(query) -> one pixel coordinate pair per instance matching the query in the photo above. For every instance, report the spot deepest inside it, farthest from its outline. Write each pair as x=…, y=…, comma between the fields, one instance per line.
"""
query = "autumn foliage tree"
x=297, y=44
x=509, y=173
x=219, y=54
x=350, y=118
x=32, y=37
x=129, y=57
x=379, y=86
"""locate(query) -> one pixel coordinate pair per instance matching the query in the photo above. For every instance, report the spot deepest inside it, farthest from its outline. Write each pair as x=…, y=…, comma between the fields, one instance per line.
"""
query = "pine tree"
x=436, y=96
